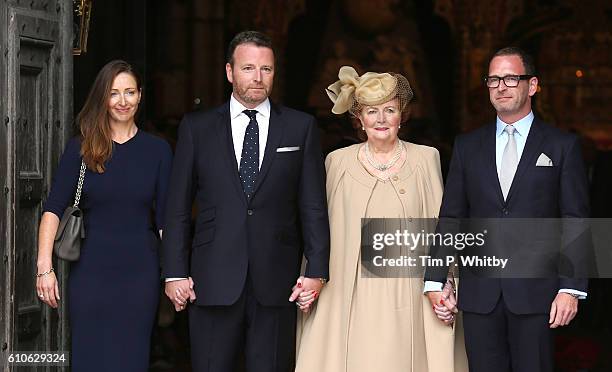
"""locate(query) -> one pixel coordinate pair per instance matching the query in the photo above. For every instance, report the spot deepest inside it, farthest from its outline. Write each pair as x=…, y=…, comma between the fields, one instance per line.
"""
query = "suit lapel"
x=275, y=133
x=490, y=165
x=224, y=133
x=534, y=140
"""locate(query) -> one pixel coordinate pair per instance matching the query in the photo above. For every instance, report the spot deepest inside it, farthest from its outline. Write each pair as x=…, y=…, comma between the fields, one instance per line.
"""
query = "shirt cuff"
x=174, y=279
x=581, y=295
x=431, y=286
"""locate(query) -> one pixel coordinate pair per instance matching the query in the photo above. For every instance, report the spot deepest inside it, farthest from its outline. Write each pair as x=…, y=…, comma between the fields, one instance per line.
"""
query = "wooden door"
x=35, y=122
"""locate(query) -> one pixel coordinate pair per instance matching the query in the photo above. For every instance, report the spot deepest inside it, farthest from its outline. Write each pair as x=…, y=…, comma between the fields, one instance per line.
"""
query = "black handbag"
x=71, y=232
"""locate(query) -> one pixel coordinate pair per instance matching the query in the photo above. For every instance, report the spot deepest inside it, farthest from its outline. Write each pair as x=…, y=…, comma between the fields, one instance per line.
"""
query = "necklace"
x=383, y=167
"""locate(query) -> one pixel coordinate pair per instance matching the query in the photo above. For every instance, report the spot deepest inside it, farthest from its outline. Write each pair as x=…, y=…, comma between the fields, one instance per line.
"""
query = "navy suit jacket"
x=473, y=191
x=265, y=236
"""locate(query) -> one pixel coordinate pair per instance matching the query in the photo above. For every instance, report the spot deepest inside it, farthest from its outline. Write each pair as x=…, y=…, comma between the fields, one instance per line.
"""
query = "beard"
x=252, y=96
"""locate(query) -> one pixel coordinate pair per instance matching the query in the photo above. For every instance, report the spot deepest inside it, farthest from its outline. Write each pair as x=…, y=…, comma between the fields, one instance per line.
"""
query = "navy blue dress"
x=113, y=290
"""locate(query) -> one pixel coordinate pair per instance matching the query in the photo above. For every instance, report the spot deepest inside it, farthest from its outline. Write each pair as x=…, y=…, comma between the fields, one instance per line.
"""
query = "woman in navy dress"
x=113, y=289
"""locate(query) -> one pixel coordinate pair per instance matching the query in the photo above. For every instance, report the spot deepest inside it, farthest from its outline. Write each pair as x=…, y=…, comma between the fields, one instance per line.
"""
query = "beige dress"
x=363, y=323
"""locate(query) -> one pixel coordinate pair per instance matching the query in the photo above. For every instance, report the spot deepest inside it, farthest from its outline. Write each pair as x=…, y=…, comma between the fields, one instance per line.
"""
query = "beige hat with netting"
x=352, y=92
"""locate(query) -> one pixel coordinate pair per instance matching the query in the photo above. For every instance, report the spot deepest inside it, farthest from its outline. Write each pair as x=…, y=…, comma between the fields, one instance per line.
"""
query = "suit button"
x=395, y=178
x=505, y=211
x=402, y=191
x=250, y=212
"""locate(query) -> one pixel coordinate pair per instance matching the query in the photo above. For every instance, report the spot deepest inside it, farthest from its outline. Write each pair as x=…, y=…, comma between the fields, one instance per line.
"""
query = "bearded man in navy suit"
x=255, y=170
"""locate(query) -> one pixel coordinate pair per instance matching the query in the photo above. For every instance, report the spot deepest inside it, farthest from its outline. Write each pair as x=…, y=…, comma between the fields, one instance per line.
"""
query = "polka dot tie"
x=249, y=160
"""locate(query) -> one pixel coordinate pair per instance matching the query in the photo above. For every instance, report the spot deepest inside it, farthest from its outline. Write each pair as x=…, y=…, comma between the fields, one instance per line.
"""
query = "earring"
x=399, y=126
x=362, y=128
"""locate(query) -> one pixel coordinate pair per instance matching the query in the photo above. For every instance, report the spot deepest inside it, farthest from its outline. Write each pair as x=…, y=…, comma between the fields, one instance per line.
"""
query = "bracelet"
x=45, y=273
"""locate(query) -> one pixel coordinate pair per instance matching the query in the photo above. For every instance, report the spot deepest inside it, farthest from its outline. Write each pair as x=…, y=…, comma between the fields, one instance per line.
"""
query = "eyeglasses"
x=510, y=81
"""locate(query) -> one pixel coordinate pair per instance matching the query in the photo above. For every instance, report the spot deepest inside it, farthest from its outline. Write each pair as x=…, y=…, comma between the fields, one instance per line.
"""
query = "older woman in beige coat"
x=362, y=323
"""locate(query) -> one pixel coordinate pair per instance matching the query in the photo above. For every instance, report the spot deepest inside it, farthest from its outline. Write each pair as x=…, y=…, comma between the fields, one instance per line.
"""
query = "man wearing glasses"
x=517, y=167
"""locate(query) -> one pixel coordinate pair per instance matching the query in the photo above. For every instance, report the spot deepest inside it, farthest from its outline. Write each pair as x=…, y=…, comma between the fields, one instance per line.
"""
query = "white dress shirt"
x=522, y=128
x=240, y=121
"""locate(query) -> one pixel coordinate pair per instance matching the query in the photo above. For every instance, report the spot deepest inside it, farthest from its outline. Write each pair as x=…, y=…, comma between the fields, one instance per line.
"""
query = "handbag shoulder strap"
x=77, y=197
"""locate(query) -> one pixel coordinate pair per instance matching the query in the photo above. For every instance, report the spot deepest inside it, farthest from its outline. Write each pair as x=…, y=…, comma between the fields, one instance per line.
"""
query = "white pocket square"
x=544, y=161
x=288, y=149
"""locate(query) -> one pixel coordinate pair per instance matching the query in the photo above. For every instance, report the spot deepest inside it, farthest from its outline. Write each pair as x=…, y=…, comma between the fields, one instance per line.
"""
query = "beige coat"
x=393, y=328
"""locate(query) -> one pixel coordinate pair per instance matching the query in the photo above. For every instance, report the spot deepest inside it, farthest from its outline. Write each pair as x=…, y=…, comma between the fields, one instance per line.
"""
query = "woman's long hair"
x=93, y=121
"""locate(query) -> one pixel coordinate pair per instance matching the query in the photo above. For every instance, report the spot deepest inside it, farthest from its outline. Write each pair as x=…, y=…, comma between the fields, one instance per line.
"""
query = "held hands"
x=47, y=289
x=444, y=303
x=563, y=309
x=305, y=292
x=179, y=291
